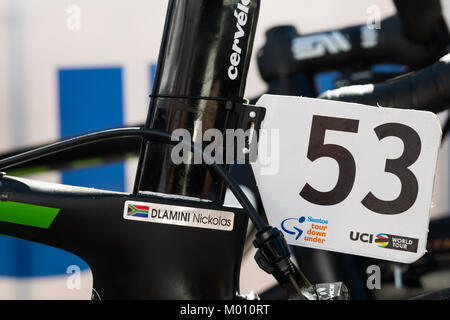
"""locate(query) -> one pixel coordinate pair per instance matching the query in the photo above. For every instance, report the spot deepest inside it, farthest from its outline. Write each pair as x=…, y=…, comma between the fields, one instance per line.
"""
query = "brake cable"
x=273, y=255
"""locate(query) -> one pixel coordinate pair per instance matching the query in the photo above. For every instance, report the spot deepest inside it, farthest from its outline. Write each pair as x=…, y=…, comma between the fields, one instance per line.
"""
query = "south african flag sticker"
x=136, y=210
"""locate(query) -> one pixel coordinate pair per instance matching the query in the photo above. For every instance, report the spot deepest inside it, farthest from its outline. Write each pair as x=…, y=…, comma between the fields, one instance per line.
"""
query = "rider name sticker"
x=179, y=215
x=347, y=177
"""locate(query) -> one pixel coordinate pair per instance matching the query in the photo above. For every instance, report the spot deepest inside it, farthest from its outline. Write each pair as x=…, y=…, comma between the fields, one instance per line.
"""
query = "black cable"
x=178, y=96
x=273, y=254
x=152, y=134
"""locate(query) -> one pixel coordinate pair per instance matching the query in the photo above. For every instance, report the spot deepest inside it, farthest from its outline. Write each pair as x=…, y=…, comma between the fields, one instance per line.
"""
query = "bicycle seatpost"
x=202, y=66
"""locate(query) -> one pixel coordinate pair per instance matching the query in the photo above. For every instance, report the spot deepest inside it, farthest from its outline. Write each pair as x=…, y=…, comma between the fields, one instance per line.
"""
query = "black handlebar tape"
x=427, y=89
x=423, y=21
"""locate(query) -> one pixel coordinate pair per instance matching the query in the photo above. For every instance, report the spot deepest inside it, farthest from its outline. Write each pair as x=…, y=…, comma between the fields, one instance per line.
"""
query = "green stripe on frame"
x=27, y=214
x=28, y=171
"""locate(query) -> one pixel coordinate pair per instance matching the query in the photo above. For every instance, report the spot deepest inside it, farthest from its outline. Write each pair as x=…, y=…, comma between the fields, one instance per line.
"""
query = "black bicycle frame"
x=200, y=78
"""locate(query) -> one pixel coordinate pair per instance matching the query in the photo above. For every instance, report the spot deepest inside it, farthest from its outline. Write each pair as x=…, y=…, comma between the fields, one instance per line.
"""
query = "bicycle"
x=51, y=210
x=175, y=103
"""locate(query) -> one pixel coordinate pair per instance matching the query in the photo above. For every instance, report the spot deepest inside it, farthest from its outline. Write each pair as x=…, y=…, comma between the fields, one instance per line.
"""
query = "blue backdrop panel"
x=89, y=99
x=92, y=99
x=152, y=75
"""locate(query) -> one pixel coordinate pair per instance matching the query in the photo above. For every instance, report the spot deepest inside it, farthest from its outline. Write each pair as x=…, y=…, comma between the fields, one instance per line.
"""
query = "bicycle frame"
x=200, y=77
x=201, y=72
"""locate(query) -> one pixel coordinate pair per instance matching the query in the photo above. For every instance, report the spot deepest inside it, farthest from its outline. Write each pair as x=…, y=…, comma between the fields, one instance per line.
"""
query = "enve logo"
x=318, y=45
x=288, y=230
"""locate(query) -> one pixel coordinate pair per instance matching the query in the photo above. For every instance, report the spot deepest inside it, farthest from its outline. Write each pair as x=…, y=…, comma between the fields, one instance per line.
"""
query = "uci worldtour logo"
x=388, y=241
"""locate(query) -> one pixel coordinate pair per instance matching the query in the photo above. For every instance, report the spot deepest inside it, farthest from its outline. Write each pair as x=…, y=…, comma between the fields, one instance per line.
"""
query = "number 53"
x=347, y=167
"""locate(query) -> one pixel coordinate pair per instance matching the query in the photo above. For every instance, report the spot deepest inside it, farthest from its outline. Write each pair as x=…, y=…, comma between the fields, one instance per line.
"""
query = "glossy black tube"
x=205, y=52
x=154, y=135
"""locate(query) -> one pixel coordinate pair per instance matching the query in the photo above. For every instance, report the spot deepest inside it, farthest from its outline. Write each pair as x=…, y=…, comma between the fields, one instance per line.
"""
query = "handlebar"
x=427, y=89
x=287, y=53
x=289, y=60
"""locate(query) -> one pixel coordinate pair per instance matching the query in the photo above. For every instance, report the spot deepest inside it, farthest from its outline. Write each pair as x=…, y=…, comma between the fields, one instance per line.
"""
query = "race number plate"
x=347, y=177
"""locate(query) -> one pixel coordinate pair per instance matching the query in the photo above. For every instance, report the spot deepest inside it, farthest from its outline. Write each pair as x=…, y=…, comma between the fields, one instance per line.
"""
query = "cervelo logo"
x=241, y=15
x=317, y=45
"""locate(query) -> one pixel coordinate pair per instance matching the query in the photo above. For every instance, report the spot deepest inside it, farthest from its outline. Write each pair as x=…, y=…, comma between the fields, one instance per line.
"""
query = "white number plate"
x=347, y=177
